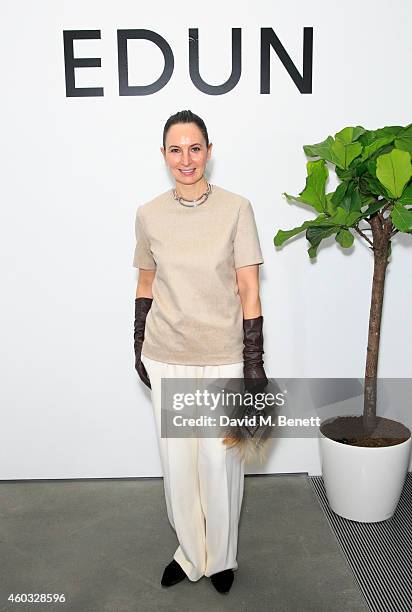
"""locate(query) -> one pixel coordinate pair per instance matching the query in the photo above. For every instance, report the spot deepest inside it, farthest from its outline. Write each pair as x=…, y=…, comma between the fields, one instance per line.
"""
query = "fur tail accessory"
x=251, y=428
x=249, y=435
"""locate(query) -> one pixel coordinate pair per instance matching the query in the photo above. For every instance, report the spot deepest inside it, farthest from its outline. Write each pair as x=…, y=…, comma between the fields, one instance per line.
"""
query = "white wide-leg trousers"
x=203, y=482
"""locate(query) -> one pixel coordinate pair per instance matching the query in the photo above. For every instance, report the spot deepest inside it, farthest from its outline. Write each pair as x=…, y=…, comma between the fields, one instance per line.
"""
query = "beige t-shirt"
x=196, y=317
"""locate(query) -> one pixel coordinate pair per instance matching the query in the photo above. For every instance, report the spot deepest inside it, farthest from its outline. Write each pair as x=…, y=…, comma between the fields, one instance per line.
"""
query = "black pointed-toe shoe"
x=172, y=574
x=222, y=581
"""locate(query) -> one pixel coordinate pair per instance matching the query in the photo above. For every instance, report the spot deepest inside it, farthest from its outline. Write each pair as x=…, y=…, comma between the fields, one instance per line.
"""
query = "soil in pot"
x=350, y=430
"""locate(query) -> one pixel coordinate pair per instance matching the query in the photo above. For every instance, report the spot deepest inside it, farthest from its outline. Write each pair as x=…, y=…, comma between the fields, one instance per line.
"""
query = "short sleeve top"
x=196, y=317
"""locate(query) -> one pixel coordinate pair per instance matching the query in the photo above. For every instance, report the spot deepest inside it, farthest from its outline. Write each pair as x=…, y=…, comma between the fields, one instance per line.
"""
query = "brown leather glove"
x=253, y=371
x=142, y=307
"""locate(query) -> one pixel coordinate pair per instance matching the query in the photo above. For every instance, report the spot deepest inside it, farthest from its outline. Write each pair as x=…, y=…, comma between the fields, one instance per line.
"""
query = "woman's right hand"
x=142, y=307
x=141, y=370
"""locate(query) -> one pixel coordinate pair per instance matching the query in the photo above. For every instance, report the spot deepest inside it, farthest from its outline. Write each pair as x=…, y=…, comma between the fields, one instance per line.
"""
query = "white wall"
x=75, y=169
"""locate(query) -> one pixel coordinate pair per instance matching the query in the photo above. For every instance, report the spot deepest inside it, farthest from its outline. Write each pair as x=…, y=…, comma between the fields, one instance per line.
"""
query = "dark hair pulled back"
x=185, y=116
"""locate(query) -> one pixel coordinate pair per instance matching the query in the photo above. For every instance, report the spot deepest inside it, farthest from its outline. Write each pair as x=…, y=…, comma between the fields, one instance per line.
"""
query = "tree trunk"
x=380, y=253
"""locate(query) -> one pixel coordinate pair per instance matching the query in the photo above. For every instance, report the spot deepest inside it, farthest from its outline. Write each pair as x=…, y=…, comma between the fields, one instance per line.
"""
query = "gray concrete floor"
x=105, y=543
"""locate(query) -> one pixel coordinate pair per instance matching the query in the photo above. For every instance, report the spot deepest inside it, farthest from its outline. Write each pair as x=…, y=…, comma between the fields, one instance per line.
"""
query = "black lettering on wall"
x=215, y=90
x=71, y=62
x=269, y=39
x=142, y=90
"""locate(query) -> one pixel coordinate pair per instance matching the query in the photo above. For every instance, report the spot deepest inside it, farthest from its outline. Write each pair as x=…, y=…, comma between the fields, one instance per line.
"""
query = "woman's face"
x=186, y=153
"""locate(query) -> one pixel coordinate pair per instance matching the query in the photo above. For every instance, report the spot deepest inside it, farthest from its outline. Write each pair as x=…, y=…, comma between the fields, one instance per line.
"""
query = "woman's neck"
x=192, y=192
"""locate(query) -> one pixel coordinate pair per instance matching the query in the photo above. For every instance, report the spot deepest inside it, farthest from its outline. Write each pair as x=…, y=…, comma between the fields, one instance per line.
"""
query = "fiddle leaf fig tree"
x=372, y=200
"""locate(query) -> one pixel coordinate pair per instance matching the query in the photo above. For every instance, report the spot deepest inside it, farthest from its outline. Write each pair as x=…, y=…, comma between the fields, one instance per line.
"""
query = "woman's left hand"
x=253, y=370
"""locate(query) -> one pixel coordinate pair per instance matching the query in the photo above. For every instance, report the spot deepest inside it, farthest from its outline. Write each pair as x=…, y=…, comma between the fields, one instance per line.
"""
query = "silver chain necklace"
x=197, y=202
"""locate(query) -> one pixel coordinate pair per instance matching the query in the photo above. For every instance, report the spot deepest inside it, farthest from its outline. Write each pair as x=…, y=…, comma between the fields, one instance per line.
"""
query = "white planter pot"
x=363, y=484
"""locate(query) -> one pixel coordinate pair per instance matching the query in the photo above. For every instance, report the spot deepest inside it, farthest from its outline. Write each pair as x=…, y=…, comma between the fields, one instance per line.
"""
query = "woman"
x=198, y=315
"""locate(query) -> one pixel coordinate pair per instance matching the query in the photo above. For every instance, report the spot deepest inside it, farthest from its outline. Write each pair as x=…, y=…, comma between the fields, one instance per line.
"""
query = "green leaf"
x=369, y=136
x=359, y=167
x=375, y=146
x=394, y=130
x=345, y=238
x=371, y=166
x=373, y=208
x=345, y=149
x=345, y=175
x=338, y=217
x=321, y=220
x=406, y=197
x=367, y=199
x=330, y=206
x=350, y=134
x=342, y=217
x=314, y=192
x=404, y=139
x=319, y=228
x=322, y=149
x=401, y=218
x=315, y=235
x=370, y=184
x=353, y=217
x=345, y=153
x=394, y=170
x=340, y=193
x=283, y=235
x=352, y=200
